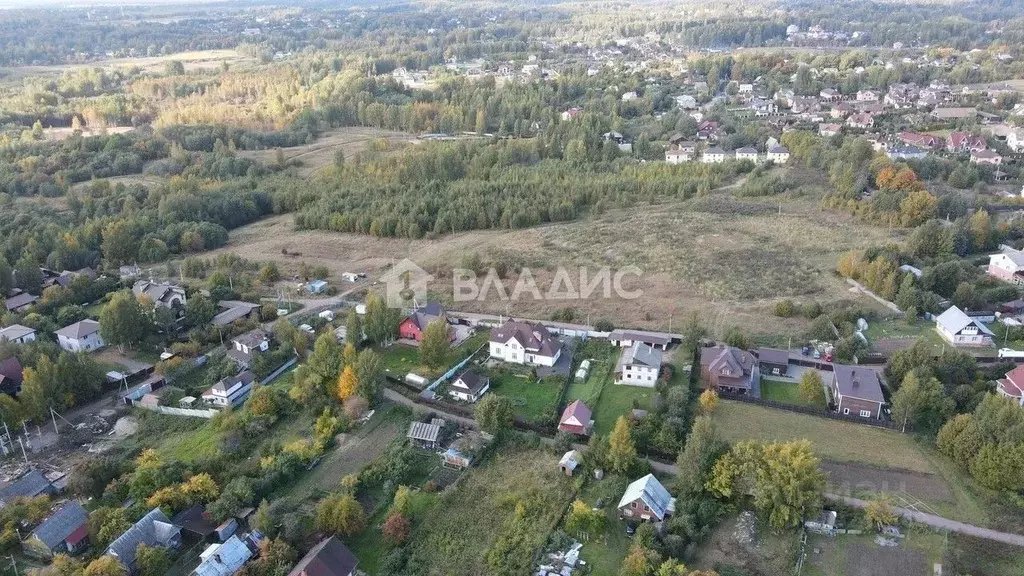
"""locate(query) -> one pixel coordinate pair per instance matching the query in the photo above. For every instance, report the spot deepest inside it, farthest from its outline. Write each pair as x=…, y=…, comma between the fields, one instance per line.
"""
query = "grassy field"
x=695, y=255
x=860, y=556
x=831, y=439
x=779, y=391
x=898, y=333
x=455, y=535
x=617, y=400
x=348, y=140
x=605, y=554
x=400, y=359
x=532, y=399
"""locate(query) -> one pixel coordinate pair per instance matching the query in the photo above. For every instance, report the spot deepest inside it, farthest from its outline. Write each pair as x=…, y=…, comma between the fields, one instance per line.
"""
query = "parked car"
x=630, y=528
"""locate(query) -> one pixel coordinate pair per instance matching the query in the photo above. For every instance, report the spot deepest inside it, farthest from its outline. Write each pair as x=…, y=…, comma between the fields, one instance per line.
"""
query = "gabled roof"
x=718, y=357
x=11, y=369
x=570, y=459
x=15, y=331
x=155, y=291
x=954, y=320
x=778, y=150
x=328, y=558
x=1015, y=256
x=62, y=524
x=746, y=150
x=576, y=414
x=224, y=559
x=714, y=151
x=154, y=529
x=653, y=338
x=651, y=491
x=233, y=310
x=426, y=314
x=194, y=520
x=642, y=354
x=226, y=384
x=472, y=381
x=773, y=356
x=251, y=339
x=80, y=329
x=858, y=382
x=423, y=432
x=533, y=337
x=23, y=299
x=29, y=485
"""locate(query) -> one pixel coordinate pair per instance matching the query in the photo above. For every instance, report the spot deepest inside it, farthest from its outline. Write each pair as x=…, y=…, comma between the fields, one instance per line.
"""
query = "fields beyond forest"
x=728, y=258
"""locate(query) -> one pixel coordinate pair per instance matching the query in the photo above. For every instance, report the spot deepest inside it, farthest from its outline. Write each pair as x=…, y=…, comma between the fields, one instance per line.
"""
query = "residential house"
x=1007, y=265
x=728, y=369
x=66, y=531
x=162, y=295
x=746, y=153
x=959, y=329
x=619, y=140
x=763, y=108
x=571, y=113
x=233, y=310
x=524, y=343
x=708, y=130
x=677, y=156
x=829, y=130
x=920, y=140
x=20, y=302
x=154, y=529
x=639, y=365
x=129, y=272
x=425, y=434
x=746, y=88
x=964, y=142
x=861, y=121
x=986, y=157
x=29, y=485
x=686, y=102
x=1012, y=385
x=1015, y=140
x=842, y=110
x=713, y=155
x=954, y=113
x=778, y=154
x=18, y=334
x=773, y=362
x=10, y=376
x=857, y=390
x=223, y=559
x=83, y=336
x=805, y=105
x=415, y=323
x=328, y=558
x=231, y=391
x=626, y=338
x=646, y=500
x=570, y=462
x=469, y=386
x=868, y=96
x=830, y=95
x=245, y=346
x=896, y=152
x=576, y=419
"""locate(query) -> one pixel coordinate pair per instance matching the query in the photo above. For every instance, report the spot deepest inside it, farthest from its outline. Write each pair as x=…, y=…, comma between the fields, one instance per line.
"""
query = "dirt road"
x=939, y=522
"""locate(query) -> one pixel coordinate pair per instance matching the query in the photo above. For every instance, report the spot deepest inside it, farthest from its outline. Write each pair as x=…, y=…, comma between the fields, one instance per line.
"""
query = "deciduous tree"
x=621, y=450
x=812, y=388
x=435, y=344
x=494, y=414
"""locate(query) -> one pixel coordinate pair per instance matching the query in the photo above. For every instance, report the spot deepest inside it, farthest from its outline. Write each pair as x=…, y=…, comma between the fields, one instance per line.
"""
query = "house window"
x=865, y=414
x=632, y=505
x=846, y=410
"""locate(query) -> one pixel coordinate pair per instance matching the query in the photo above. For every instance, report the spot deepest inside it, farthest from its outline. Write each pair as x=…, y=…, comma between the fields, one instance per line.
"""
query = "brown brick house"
x=728, y=369
x=856, y=390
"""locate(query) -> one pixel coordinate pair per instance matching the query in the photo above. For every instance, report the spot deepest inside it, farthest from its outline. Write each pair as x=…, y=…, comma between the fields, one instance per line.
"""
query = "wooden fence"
x=809, y=410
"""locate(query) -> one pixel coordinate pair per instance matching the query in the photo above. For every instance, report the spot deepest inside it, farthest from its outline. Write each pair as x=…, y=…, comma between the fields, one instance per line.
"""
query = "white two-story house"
x=81, y=336
x=525, y=343
x=639, y=365
x=231, y=391
x=959, y=329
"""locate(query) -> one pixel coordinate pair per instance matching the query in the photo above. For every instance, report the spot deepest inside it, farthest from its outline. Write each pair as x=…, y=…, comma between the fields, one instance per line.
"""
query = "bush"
x=785, y=309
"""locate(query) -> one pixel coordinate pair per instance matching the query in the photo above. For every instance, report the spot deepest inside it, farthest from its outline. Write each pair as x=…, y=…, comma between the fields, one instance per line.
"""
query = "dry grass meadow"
x=730, y=259
x=349, y=140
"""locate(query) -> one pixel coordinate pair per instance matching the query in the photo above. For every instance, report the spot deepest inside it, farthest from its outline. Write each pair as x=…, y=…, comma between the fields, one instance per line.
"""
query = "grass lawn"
x=831, y=439
x=201, y=441
x=400, y=359
x=604, y=553
x=455, y=536
x=617, y=400
x=897, y=329
x=779, y=391
x=370, y=547
x=532, y=399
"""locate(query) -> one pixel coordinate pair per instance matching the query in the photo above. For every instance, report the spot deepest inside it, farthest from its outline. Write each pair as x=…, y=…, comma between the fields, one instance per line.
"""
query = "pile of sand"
x=126, y=426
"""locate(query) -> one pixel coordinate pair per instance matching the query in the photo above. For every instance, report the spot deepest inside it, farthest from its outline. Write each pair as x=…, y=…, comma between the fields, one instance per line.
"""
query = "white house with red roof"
x=964, y=142
x=524, y=343
x=1012, y=385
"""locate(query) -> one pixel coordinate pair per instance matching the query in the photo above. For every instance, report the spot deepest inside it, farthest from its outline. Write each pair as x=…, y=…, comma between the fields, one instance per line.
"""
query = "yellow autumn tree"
x=347, y=383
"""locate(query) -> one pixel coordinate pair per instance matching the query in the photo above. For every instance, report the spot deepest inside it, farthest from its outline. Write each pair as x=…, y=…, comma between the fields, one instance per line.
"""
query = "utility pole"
x=23, y=454
x=14, y=565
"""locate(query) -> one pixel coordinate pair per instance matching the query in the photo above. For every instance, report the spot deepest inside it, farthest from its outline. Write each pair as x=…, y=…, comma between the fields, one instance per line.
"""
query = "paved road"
x=940, y=522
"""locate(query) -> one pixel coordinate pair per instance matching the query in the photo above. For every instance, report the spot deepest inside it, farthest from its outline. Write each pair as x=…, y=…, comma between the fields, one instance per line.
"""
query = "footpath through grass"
x=831, y=439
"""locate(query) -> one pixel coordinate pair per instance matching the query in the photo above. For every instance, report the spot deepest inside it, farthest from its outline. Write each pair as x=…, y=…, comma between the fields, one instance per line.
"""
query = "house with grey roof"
x=154, y=529
x=232, y=310
x=469, y=386
x=1007, y=265
x=728, y=369
x=328, y=558
x=83, y=336
x=28, y=485
x=223, y=559
x=231, y=391
x=959, y=329
x=746, y=153
x=639, y=365
x=626, y=338
x=64, y=532
x=524, y=343
x=20, y=302
x=18, y=334
x=857, y=390
x=163, y=295
x=646, y=500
